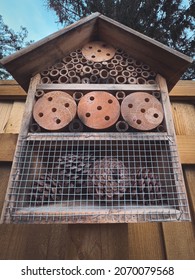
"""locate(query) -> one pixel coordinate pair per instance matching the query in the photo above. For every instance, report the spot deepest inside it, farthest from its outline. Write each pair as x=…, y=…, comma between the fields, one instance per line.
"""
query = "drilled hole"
x=147, y=99
x=139, y=122
x=130, y=105
x=99, y=107
x=40, y=115
x=110, y=101
x=107, y=118
x=58, y=121
x=155, y=115
x=66, y=105
x=108, y=54
x=93, y=56
x=54, y=109
x=50, y=99
x=98, y=50
x=90, y=47
x=143, y=110
x=91, y=98
x=87, y=115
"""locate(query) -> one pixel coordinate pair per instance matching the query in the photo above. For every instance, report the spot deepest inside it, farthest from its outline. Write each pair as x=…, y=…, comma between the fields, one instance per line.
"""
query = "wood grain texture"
x=7, y=146
x=11, y=90
x=5, y=110
x=145, y=241
x=183, y=91
x=15, y=119
x=186, y=148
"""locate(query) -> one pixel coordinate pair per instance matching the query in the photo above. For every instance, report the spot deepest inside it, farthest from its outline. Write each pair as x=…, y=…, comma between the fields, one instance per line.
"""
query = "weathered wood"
x=186, y=148
x=33, y=59
x=189, y=175
x=145, y=242
x=11, y=90
x=15, y=119
x=5, y=110
x=7, y=146
x=183, y=91
x=91, y=87
x=170, y=63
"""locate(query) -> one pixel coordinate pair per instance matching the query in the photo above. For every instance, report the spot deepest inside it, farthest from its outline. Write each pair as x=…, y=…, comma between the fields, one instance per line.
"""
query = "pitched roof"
x=31, y=60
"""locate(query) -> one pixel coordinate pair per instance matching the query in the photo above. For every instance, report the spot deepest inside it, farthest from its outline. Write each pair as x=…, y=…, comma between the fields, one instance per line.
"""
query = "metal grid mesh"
x=102, y=178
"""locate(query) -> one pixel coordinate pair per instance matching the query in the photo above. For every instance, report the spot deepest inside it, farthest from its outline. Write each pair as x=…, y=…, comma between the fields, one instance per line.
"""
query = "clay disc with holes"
x=98, y=51
x=98, y=109
x=54, y=110
x=142, y=111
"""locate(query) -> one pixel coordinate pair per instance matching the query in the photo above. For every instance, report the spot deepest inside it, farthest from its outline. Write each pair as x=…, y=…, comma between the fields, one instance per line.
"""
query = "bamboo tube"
x=63, y=79
x=122, y=126
x=90, y=63
x=161, y=128
x=93, y=79
x=134, y=74
x=97, y=65
x=111, y=80
x=77, y=95
x=151, y=82
x=50, y=68
x=141, y=80
x=75, y=126
x=45, y=80
x=54, y=74
x=59, y=65
x=118, y=57
x=145, y=67
x=79, y=67
x=137, y=63
x=39, y=93
x=87, y=70
x=67, y=59
x=70, y=66
x=114, y=61
x=119, y=51
x=104, y=74
x=126, y=73
x=130, y=60
x=156, y=94
x=75, y=60
x=78, y=51
x=85, y=80
x=95, y=72
x=71, y=73
x=125, y=55
x=138, y=70
x=102, y=81
x=110, y=65
x=54, y=82
x=79, y=56
x=123, y=63
x=34, y=127
x=45, y=73
x=73, y=54
x=83, y=60
x=132, y=80
x=121, y=79
x=145, y=74
x=120, y=95
x=119, y=68
x=130, y=68
x=75, y=80
x=63, y=71
x=113, y=72
x=152, y=74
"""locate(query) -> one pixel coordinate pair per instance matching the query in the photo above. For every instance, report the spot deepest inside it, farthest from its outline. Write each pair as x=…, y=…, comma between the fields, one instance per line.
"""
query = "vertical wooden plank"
x=15, y=118
x=5, y=110
x=146, y=242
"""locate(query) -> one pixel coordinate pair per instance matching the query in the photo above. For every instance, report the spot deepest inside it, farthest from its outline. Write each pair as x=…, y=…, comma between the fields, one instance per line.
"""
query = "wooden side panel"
x=5, y=110
x=15, y=118
x=183, y=91
x=10, y=90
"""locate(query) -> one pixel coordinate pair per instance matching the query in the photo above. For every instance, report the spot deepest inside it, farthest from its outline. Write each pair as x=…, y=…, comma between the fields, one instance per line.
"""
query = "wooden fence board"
x=15, y=119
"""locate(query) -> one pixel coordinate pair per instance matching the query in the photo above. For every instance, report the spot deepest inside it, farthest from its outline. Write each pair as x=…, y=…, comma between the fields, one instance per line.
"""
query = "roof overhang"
x=23, y=64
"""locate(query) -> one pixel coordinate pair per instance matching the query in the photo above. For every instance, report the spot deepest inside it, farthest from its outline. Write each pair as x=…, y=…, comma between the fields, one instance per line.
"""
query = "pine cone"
x=146, y=188
x=108, y=180
x=45, y=189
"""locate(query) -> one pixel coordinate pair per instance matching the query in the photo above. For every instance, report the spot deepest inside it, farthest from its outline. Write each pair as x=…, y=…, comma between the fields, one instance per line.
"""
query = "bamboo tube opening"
x=145, y=67
x=34, y=127
x=145, y=74
x=75, y=60
x=120, y=95
x=73, y=54
x=77, y=95
x=130, y=60
x=126, y=73
x=119, y=51
x=59, y=65
x=124, y=63
x=97, y=65
x=93, y=79
x=132, y=80
x=54, y=74
x=121, y=79
x=141, y=81
x=111, y=80
x=118, y=57
x=138, y=70
x=95, y=72
x=110, y=65
x=122, y=126
x=130, y=68
x=71, y=73
x=45, y=73
x=67, y=59
x=63, y=79
x=151, y=82
x=70, y=66
x=45, y=80
x=137, y=63
x=39, y=93
x=63, y=71
x=119, y=68
x=75, y=80
x=156, y=94
x=104, y=74
x=114, y=61
x=113, y=73
x=75, y=126
x=134, y=74
x=87, y=69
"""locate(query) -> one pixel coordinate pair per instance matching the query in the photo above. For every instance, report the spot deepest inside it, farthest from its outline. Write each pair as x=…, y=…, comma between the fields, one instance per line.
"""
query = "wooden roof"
x=170, y=240
x=31, y=60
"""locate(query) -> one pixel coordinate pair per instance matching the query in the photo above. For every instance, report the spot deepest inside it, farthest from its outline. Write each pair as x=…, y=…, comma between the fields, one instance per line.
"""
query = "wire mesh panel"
x=96, y=178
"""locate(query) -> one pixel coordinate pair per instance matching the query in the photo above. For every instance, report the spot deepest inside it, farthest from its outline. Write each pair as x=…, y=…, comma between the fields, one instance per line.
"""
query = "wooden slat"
x=145, y=241
x=183, y=91
x=10, y=90
x=7, y=146
x=186, y=147
x=15, y=118
x=5, y=111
